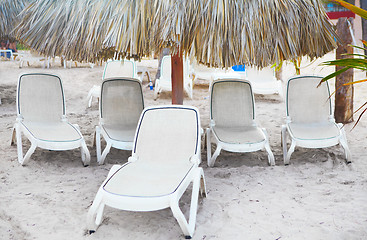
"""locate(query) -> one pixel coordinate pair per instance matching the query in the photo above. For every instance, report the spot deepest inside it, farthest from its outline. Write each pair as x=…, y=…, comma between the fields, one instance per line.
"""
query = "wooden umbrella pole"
x=177, y=78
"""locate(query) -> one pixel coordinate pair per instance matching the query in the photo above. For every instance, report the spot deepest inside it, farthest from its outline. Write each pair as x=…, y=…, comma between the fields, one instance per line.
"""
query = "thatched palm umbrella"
x=9, y=10
x=218, y=33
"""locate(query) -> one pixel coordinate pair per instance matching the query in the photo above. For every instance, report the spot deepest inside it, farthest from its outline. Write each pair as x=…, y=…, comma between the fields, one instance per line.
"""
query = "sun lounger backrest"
x=121, y=101
x=124, y=68
x=306, y=102
x=260, y=75
x=168, y=134
x=166, y=68
x=232, y=103
x=40, y=97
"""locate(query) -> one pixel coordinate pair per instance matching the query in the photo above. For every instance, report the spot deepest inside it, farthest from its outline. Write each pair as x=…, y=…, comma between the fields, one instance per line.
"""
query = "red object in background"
x=336, y=15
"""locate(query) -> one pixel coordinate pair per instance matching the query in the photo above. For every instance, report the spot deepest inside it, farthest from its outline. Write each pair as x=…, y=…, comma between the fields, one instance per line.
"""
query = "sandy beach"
x=317, y=196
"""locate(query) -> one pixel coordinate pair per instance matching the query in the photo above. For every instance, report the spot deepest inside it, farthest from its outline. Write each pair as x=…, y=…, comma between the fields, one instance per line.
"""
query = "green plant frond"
x=358, y=47
x=354, y=82
x=355, y=55
x=359, y=11
x=360, y=116
x=358, y=63
x=333, y=75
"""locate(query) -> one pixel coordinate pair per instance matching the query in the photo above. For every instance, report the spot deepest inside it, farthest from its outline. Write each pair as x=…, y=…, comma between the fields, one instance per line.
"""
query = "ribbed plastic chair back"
x=307, y=103
x=259, y=75
x=232, y=103
x=124, y=68
x=168, y=134
x=40, y=97
x=121, y=101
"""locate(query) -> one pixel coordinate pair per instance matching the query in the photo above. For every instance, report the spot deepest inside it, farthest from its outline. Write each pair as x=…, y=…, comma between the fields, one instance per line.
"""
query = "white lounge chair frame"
x=164, y=83
x=264, y=81
x=325, y=107
x=101, y=130
x=21, y=127
x=235, y=147
x=129, y=70
x=195, y=174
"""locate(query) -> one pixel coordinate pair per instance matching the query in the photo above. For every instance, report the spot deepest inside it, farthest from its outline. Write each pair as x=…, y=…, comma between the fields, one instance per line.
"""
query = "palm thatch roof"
x=9, y=10
x=215, y=32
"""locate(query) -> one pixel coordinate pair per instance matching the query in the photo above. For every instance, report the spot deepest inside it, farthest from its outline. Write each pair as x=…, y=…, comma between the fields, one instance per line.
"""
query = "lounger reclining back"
x=166, y=68
x=148, y=145
x=230, y=106
x=165, y=160
x=120, y=107
x=307, y=103
x=164, y=82
x=122, y=101
x=47, y=105
x=124, y=68
x=310, y=122
x=232, y=120
x=42, y=118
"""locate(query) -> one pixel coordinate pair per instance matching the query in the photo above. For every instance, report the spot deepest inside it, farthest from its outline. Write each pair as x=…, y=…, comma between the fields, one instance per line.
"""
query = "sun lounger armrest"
x=195, y=160
x=132, y=158
x=331, y=118
x=288, y=120
x=212, y=123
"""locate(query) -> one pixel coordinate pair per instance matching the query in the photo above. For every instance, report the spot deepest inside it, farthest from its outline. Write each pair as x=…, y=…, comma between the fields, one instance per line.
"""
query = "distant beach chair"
x=164, y=83
x=6, y=54
x=113, y=69
x=263, y=81
x=159, y=170
x=310, y=122
x=33, y=57
x=232, y=120
x=42, y=118
x=120, y=107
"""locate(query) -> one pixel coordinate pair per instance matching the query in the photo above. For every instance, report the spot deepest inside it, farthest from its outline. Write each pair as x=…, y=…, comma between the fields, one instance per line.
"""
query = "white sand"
x=318, y=196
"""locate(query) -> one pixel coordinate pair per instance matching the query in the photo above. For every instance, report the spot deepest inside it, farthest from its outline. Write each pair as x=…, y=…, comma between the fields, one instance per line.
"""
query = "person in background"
x=3, y=46
x=13, y=47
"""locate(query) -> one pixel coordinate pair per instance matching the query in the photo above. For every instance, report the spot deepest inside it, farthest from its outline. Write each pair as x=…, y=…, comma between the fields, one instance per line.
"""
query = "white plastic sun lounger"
x=310, y=122
x=263, y=81
x=120, y=107
x=232, y=120
x=164, y=83
x=159, y=170
x=113, y=69
x=41, y=117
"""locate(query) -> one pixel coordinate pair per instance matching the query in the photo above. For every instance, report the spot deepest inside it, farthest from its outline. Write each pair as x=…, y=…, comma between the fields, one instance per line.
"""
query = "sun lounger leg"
x=98, y=143
x=23, y=160
x=83, y=149
x=105, y=152
x=284, y=142
x=208, y=146
x=215, y=155
x=85, y=154
x=188, y=228
x=95, y=213
x=268, y=149
x=271, y=160
x=13, y=137
x=156, y=89
x=202, y=183
x=290, y=151
x=344, y=143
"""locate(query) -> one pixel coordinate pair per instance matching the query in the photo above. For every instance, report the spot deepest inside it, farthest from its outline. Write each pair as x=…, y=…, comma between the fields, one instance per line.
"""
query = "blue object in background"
x=239, y=68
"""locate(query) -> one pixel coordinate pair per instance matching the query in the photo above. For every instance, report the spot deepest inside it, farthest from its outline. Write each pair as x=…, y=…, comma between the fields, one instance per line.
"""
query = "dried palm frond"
x=9, y=10
x=217, y=33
